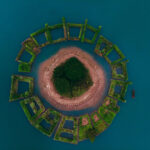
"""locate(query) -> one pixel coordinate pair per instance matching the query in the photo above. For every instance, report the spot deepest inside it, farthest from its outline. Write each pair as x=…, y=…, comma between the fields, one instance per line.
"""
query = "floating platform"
x=15, y=79
x=48, y=120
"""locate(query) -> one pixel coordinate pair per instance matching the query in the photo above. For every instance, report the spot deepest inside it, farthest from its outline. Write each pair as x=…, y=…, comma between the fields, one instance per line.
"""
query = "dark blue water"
x=125, y=23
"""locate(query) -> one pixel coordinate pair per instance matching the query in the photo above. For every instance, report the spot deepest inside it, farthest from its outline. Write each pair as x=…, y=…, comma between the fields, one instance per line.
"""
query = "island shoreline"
x=88, y=99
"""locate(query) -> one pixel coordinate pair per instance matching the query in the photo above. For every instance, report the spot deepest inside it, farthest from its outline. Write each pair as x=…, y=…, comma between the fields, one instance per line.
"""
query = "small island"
x=71, y=80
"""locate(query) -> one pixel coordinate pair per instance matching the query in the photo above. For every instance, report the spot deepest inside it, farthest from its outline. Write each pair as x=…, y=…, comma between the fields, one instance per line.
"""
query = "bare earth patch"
x=96, y=118
x=88, y=99
x=107, y=102
x=84, y=121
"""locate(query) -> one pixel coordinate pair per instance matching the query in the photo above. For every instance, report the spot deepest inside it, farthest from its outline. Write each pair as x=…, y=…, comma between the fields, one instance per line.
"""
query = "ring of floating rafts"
x=50, y=121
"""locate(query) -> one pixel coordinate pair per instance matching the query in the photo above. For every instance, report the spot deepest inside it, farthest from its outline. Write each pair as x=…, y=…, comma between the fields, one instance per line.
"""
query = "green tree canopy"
x=71, y=78
x=91, y=134
x=62, y=85
x=58, y=71
x=74, y=70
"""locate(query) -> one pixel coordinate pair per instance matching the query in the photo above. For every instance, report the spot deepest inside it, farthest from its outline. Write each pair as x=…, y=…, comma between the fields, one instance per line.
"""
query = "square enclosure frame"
x=119, y=96
x=45, y=116
x=123, y=67
x=92, y=29
x=61, y=129
x=83, y=129
x=106, y=114
x=100, y=124
x=111, y=104
x=25, y=66
x=99, y=50
x=74, y=25
x=36, y=106
x=47, y=31
x=121, y=55
x=15, y=79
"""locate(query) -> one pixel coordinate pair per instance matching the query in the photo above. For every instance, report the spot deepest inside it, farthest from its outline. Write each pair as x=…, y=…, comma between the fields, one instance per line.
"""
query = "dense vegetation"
x=91, y=134
x=71, y=78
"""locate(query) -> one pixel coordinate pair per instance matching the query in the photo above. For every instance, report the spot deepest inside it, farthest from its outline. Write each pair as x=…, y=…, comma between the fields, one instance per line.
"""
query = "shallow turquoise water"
x=125, y=23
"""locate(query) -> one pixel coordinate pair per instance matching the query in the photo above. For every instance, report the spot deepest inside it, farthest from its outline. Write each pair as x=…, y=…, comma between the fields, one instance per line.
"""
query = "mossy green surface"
x=111, y=104
x=95, y=34
x=119, y=96
x=91, y=134
x=108, y=110
x=107, y=115
x=73, y=131
x=23, y=65
x=83, y=128
x=123, y=67
x=102, y=46
x=118, y=51
x=74, y=25
x=49, y=120
x=35, y=105
x=71, y=79
x=95, y=31
x=30, y=44
x=99, y=124
x=47, y=33
x=15, y=79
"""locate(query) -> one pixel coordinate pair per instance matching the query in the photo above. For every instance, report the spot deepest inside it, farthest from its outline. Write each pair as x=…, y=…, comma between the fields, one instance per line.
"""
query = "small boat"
x=133, y=94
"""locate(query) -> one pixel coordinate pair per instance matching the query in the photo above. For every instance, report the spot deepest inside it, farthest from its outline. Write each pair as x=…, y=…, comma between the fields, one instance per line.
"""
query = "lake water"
x=125, y=23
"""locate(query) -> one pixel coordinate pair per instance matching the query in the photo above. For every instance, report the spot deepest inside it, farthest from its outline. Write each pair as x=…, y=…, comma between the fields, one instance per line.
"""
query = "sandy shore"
x=89, y=99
